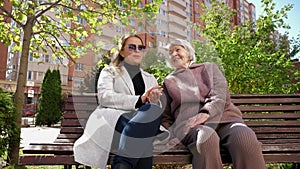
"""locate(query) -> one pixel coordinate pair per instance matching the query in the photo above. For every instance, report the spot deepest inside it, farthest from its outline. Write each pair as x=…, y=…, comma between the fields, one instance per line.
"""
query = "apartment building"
x=245, y=11
x=172, y=21
x=3, y=48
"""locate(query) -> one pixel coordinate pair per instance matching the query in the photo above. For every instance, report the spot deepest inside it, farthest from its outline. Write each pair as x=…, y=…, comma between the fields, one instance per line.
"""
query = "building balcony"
x=181, y=3
x=177, y=11
x=178, y=21
x=176, y=32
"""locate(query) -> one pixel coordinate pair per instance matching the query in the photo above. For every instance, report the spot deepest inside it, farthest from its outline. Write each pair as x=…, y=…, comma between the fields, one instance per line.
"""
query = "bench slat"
x=73, y=123
x=83, y=107
x=65, y=140
x=266, y=101
x=293, y=124
x=47, y=160
x=293, y=116
x=264, y=96
x=81, y=99
x=276, y=130
x=76, y=115
x=49, y=149
x=292, y=147
x=283, y=108
x=71, y=130
x=279, y=141
x=68, y=136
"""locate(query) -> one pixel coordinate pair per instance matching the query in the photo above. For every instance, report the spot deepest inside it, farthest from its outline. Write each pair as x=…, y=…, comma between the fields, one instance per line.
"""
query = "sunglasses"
x=132, y=47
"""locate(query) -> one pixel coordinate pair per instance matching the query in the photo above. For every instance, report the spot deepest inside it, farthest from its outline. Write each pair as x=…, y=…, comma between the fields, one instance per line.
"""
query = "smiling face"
x=179, y=56
x=133, y=51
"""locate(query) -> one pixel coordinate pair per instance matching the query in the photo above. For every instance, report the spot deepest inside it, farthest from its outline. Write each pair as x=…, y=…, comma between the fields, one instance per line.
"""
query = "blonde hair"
x=116, y=62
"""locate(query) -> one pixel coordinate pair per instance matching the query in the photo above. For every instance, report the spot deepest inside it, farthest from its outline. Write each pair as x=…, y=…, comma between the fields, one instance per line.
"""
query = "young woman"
x=128, y=117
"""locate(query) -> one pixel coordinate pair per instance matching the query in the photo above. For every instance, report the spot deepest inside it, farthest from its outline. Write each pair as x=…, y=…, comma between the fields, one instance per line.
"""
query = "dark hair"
x=116, y=62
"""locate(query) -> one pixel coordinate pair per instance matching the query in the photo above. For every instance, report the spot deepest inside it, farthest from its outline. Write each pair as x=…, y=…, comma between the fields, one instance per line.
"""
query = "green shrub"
x=49, y=110
x=8, y=126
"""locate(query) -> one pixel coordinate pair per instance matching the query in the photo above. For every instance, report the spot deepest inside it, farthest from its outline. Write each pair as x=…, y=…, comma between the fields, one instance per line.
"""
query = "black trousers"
x=134, y=135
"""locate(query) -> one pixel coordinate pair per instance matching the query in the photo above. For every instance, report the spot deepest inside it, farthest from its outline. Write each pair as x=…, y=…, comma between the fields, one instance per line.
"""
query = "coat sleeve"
x=168, y=118
x=216, y=99
x=107, y=95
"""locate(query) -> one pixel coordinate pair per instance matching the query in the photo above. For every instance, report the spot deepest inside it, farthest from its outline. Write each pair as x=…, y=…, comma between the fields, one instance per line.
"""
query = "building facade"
x=3, y=48
x=172, y=21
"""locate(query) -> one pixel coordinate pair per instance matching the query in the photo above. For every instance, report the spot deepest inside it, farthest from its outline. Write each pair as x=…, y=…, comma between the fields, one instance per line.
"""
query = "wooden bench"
x=275, y=118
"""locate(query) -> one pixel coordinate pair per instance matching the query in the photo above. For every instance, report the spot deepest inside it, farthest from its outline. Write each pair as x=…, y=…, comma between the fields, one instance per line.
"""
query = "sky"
x=293, y=15
x=293, y=19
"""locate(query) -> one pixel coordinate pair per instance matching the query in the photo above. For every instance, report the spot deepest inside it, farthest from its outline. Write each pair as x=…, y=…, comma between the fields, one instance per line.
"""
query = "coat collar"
x=128, y=81
x=192, y=66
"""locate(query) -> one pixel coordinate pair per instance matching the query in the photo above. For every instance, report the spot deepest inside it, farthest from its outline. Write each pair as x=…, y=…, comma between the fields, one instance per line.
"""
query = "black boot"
x=119, y=166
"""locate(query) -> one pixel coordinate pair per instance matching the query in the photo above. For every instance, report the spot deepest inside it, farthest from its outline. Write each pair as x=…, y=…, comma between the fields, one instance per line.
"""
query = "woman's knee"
x=148, y=113
x=207, y=136
x=242, y=136
x=202, y=135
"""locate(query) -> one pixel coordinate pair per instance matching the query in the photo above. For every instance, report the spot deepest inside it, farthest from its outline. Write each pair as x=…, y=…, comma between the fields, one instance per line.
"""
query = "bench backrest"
x=268, y=115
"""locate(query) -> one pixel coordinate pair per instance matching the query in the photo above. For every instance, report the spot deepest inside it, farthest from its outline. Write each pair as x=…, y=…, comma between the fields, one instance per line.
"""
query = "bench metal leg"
x=67, y=166
x=82, y=167
x=296, y=166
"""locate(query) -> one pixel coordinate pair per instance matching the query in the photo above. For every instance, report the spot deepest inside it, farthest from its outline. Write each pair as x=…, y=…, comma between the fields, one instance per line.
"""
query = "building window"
x=132, y=23
x=40, y=76
x=151, y=45
x=65, y=43
x=140, y=28
x=161, y=11
x=80, y=19
x=30, y=75
x=79, y=66
x=46, y=58
x=30, y=56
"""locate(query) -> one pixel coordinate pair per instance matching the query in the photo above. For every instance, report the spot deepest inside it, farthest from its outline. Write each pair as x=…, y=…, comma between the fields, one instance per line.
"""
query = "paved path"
x=38, y=135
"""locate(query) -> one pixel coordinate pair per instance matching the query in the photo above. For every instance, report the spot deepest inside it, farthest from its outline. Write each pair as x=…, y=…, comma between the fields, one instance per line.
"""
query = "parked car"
x=28, y=113
x=29, y=110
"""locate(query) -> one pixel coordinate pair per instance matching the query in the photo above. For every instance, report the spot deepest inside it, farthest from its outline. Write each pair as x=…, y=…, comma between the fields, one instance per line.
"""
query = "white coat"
x=116, y=96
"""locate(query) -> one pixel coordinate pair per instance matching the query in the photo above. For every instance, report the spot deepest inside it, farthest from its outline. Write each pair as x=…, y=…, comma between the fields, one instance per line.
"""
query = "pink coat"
x=201, y=87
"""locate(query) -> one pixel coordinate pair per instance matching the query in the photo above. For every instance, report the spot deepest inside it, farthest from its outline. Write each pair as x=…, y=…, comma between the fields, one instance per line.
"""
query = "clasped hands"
x=152, y=95
x=194, y=121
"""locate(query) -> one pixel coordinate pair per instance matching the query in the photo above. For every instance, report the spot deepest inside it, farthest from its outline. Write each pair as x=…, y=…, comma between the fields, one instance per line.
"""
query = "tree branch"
x=47, y=9
x=8, y=14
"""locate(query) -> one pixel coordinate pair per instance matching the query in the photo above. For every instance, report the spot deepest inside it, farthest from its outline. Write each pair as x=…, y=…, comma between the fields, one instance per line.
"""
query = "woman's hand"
x=152, y=95
x=173, y=142
x=195, y=121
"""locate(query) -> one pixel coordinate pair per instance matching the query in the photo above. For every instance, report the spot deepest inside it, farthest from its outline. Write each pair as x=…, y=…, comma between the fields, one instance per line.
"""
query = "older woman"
x=201, y=116
x=128, y=98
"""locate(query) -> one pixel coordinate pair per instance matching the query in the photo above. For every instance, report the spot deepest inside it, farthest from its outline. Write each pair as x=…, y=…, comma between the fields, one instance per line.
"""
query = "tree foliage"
x=295, y=44
x=60, y=26
x=8, y=132
x=255, y=57
x=90, y=81
x=156, y=63
x=49, y=109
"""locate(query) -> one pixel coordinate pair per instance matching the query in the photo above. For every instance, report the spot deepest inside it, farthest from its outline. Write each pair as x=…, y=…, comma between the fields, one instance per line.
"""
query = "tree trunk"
x=13, y=154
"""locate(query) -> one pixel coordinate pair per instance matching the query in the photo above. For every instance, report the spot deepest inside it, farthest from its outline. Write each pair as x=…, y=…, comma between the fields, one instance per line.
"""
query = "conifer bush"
x=49, y=109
